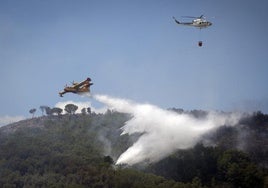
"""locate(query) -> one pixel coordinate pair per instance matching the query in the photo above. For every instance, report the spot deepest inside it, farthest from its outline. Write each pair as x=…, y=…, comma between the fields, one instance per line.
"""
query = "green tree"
x=48, y=110
x=71, y=108
x=56, y=110
x=83, y=111
x=89, y=110
x=236, y=168
x=43, y=109
x=32, y=111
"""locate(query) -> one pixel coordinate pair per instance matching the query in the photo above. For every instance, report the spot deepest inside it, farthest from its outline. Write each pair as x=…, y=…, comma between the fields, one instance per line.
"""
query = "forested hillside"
x=79, y=150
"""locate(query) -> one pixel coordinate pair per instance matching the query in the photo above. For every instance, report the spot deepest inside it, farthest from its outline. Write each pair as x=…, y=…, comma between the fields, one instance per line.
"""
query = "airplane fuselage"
x=77, y=87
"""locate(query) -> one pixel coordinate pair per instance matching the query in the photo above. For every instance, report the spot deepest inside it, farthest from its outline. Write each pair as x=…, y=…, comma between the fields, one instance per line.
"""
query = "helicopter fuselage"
x=201, y=23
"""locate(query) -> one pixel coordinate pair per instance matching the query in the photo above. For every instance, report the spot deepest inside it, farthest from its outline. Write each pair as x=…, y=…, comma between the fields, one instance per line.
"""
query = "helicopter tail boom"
x=176, y=20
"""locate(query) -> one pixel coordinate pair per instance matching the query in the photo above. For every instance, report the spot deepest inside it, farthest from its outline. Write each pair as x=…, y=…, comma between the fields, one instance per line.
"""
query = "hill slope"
x=79, y=150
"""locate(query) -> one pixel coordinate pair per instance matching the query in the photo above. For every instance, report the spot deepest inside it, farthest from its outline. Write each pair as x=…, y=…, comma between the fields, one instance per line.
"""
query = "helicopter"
x=198, y=22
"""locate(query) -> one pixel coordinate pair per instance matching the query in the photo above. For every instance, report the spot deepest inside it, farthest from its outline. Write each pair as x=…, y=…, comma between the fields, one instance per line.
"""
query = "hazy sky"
x=134, y=50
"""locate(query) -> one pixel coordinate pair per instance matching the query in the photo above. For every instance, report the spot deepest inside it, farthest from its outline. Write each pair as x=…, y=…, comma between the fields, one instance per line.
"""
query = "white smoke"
x=163, y=131
x=4, y=120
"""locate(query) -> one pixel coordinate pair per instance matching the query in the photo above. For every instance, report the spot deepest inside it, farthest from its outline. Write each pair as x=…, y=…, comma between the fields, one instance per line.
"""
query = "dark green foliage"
x=32, y=111
x=43, y=108
x=56, y=111
x=48, y=110
x=80, y=150
x=212, y=166
x=185, y=165
x=68, y=152
x=54, y=155
x=236, y=168
x=249, y=136
x=238, y=158
x=83, y=111
x=108, y=159
x=70, y=108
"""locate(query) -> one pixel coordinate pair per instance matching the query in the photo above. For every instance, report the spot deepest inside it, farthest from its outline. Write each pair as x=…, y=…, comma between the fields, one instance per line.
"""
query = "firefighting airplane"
x=82, y=87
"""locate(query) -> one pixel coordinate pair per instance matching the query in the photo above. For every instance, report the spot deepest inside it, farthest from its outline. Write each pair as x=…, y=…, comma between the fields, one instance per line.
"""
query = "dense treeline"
x=69, y=151
x=212, y=166
x=79, y=151
x=250, y=135
x=234, y=156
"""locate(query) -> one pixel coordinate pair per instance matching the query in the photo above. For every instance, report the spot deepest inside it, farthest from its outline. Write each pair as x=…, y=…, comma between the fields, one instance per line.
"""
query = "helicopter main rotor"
x=200, y=17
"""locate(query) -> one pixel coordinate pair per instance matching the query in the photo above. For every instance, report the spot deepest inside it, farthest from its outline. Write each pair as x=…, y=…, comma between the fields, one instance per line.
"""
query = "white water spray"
x=163, y=131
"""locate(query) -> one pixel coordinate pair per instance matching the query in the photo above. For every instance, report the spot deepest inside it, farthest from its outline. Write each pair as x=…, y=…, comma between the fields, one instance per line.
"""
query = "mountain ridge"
x=64, y=151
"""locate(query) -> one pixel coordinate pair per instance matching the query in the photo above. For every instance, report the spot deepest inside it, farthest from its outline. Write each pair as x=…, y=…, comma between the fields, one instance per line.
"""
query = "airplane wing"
x=76, y=86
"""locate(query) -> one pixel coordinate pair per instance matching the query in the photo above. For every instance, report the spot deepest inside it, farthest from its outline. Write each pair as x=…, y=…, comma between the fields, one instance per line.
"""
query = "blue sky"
x=134, y=50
